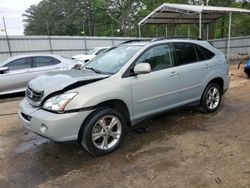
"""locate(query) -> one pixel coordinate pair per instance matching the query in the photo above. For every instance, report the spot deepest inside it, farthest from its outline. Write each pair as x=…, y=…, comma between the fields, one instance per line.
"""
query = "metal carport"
x=169, y=13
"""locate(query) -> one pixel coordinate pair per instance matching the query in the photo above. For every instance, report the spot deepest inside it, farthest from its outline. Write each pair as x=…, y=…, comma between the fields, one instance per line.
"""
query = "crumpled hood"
x=58, y=81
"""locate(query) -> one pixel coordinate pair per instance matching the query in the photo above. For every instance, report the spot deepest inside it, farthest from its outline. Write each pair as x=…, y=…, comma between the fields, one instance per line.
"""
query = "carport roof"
x=169, y=13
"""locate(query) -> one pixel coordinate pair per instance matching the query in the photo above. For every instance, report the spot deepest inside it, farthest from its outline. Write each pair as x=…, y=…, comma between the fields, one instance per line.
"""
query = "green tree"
x=106, y=17
x=57, y=17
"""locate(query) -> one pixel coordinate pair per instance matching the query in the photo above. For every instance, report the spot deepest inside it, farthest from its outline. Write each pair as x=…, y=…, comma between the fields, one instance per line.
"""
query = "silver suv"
x=128, y=83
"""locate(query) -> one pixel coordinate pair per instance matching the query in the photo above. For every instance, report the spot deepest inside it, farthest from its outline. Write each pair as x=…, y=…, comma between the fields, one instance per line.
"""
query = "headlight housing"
x=59, y=102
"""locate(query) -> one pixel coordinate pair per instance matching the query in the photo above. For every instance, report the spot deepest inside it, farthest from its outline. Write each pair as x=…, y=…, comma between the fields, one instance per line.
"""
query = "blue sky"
x=12, y=11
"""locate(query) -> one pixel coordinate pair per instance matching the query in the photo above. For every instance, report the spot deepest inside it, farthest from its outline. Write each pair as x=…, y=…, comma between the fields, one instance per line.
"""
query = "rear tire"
x=103, y=132
x=211, y=98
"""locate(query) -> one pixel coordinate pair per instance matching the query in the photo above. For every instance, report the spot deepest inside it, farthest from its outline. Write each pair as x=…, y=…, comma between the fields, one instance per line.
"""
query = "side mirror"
x=142, y=68
x=78, y=66
x=3, y=70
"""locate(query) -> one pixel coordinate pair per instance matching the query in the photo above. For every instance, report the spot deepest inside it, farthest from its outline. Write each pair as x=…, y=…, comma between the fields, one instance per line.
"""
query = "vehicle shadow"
x=11, y=97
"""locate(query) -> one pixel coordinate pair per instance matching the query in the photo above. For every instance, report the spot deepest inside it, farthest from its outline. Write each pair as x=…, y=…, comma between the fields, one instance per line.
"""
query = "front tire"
x=103, y=132
x=211, y=98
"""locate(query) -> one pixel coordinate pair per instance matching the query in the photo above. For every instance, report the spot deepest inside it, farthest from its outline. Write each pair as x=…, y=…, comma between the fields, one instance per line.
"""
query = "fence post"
x=50, y=45
x=7, y=38
x=85, y=43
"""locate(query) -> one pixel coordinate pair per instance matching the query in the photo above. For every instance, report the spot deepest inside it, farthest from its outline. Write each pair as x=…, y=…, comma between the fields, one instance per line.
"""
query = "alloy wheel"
x=213, y=98
x=106, y=132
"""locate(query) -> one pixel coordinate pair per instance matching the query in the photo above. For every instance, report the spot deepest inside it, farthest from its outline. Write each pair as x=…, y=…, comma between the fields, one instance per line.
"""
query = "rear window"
x=42, y=61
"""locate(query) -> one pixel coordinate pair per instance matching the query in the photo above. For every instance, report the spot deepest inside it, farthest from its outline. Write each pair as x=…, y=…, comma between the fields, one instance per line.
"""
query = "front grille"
x=33, y=95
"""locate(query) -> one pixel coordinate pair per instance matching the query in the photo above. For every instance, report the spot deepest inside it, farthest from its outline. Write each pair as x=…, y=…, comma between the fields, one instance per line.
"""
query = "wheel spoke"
x=113, y=122
x=210, y=93
x=102, y=123
x=208, y=100
x=115, y=135
x=105, y=142
x=214, y=92
x=97, y=135
x=211, y=105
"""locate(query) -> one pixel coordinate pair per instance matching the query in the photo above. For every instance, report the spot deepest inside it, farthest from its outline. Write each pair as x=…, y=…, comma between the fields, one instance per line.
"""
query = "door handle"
x=207, y=66
x=28, y=71
x=173, y=73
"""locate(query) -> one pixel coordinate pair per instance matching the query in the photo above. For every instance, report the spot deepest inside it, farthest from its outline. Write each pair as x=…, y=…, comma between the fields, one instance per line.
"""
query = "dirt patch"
x=184, y=148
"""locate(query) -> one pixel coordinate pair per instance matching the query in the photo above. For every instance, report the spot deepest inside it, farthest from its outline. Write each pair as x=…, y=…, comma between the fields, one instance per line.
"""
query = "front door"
x=157, y=90
x=19, y=74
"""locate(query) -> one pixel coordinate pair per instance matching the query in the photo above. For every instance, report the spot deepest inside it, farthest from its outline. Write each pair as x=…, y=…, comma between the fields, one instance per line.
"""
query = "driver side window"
x=159, y=57
x=18, y=64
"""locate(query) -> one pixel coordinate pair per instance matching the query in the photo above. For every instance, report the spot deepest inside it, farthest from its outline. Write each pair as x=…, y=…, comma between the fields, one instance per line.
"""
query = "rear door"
x=157, y=90
x=19, y=74
x=193, y=70
x=44, y=64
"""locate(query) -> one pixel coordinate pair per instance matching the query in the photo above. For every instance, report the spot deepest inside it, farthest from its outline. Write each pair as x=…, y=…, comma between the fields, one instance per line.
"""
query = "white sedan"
x=17, y=71
x=90, y=54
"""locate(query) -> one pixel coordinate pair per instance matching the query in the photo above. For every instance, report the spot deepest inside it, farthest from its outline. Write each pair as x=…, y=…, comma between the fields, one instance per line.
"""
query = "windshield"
x=91, y=51
x=112, y=60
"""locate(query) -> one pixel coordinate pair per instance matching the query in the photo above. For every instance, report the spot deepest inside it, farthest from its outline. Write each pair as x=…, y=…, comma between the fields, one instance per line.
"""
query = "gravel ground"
x=184, y=148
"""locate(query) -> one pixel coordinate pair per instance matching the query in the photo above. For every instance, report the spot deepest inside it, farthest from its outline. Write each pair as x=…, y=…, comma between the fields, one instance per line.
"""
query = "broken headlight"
x=58, y=103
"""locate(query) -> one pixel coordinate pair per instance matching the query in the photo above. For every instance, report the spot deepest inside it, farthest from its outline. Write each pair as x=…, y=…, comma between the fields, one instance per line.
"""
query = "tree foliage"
x=117, y=18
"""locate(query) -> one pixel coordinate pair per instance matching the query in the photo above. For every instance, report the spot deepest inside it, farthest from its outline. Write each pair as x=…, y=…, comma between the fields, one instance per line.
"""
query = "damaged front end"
x=45, y=87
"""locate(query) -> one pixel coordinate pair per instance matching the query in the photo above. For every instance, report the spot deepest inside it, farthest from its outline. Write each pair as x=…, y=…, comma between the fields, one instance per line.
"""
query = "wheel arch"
x=117, y=104
x=217, y=80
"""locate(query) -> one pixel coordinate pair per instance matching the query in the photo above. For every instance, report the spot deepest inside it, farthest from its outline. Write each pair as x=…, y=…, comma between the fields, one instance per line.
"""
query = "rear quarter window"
x=203, y=53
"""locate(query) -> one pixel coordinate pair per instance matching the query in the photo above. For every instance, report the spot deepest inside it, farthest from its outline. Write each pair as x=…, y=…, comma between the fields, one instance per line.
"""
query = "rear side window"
x=23, y=63
x=43, y=61
x=203, y=53
x=184, y=53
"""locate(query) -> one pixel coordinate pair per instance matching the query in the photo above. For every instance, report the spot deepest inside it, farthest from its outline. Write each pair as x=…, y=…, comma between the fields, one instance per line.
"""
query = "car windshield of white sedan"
x=91, y=51
x=113, y=60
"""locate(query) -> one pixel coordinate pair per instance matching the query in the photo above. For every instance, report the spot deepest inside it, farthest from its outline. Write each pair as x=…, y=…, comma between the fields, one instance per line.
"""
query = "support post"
x=229, y=37
x=188, y=30
x=200, y=25
x=139, y=31
x=166, y=30
x=207, y=31
x=7, y=37
x=85, y=43
x=112, y=34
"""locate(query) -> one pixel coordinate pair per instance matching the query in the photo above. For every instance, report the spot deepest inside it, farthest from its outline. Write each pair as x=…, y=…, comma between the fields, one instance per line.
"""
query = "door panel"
x=192, y=71
x=157, y=90
x=15, y=80
x=19, y=74
x=191, y=78
x=44, y=64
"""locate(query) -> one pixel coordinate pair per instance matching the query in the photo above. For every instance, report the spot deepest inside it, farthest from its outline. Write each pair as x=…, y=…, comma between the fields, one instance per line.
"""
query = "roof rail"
x=165, y=38
x=135, y=40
